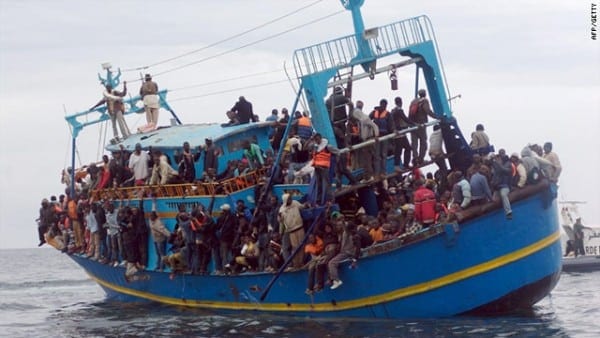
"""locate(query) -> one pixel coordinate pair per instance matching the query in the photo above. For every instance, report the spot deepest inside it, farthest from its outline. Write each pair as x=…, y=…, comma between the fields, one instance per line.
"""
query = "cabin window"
x=238, y=144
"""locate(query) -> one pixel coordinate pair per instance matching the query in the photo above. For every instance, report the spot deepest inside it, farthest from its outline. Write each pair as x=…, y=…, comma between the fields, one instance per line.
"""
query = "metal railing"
x=341, y=52
x=223, y=187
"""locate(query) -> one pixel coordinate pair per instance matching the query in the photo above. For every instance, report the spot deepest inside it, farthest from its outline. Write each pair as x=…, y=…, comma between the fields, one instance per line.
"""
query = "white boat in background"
x=572, y=261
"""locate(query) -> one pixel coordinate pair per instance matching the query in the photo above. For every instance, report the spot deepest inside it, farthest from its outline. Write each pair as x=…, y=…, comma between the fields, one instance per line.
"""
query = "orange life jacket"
x=304, y=121
x=322, y=158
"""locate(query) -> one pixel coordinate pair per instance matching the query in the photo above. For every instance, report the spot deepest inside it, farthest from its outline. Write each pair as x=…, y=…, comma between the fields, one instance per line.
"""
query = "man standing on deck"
x=290, y=220
x=401, y=122
x=149, y=94
x=418, y=112
x=367, y=130
x=384, y=121
x=138, y=163
x=115, y=109
x=243, y=110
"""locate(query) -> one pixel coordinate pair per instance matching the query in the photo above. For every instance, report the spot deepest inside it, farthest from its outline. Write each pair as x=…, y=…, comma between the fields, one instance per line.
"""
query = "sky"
x=529, y=72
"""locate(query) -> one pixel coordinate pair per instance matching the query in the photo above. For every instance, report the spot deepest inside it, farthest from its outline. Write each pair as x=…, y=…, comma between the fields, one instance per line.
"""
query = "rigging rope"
x=226, y=39
x=247, y=44
x=227, y=91
x=226, y=80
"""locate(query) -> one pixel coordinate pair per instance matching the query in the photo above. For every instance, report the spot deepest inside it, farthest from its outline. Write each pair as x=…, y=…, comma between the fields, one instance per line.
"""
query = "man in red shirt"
x=425, y=202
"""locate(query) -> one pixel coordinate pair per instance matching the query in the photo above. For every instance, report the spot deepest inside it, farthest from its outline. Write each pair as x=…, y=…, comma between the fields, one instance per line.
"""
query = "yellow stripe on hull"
x=350, y=304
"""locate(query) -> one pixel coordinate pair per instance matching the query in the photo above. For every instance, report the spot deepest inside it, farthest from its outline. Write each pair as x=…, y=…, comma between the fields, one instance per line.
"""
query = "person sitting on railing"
x=519, y=178
x=185, y=160
x=314, y=248
x=480, y=142
x=532, y=165
x=331, y=248
x=553, y=172
x=502, y=175
x=162, y=173
x=243, y=110
x=349, y=249
x=461, y=192
x=419, y=110
x=254, y=154
x=480, y=189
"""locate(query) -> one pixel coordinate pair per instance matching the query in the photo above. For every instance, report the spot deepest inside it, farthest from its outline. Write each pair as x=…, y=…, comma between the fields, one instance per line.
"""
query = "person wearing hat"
x=149, y=94
x=419, y=110
x=227, y=225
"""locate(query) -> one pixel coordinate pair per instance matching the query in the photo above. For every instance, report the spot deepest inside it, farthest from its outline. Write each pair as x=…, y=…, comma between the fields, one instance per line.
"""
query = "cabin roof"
x=172, y=137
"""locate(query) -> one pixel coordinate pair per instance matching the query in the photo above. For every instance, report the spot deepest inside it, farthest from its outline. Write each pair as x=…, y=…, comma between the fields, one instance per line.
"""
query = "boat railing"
x=223, y=187
x=395, y=134
x=383, y=41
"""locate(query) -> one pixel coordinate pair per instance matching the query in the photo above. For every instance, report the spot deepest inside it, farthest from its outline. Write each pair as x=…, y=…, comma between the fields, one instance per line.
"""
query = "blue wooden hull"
x=488, y=265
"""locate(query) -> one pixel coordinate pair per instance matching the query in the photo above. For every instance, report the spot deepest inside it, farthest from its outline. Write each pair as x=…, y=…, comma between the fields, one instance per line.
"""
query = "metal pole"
x=73, y=168
x=387, y=137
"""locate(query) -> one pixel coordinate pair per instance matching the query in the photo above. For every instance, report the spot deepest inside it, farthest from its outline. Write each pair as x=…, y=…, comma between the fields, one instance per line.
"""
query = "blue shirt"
x=479, y=187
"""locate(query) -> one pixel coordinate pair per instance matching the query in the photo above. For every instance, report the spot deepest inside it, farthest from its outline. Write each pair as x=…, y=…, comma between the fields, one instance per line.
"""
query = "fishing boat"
x=480, y=263
x=575, y=260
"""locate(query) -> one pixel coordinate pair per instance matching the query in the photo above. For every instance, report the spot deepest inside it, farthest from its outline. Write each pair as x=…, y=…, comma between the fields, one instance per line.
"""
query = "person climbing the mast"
x=149, y=94
x=115, y=108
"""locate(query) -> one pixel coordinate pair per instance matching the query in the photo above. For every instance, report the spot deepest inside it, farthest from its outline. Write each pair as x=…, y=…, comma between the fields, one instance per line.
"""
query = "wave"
x=18, y=307
x=43, y=284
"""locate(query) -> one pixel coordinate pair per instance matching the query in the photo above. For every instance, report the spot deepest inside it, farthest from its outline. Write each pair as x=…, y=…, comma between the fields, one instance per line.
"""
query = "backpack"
x=414, y=107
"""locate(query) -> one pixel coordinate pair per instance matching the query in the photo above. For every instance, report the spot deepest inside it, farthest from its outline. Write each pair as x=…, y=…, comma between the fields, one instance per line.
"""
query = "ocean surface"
x=44, y=294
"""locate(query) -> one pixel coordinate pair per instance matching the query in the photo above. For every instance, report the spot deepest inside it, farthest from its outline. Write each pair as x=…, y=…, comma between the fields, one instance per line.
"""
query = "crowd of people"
x=241, y=239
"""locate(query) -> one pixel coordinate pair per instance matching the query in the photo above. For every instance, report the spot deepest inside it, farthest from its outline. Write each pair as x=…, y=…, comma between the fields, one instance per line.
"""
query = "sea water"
x=44, y=294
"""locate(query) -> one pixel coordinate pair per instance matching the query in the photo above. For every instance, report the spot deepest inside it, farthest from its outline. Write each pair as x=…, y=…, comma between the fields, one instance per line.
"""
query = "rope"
x=224, y=40
x=247, y=44
x=227, y=91
x=226, y=80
